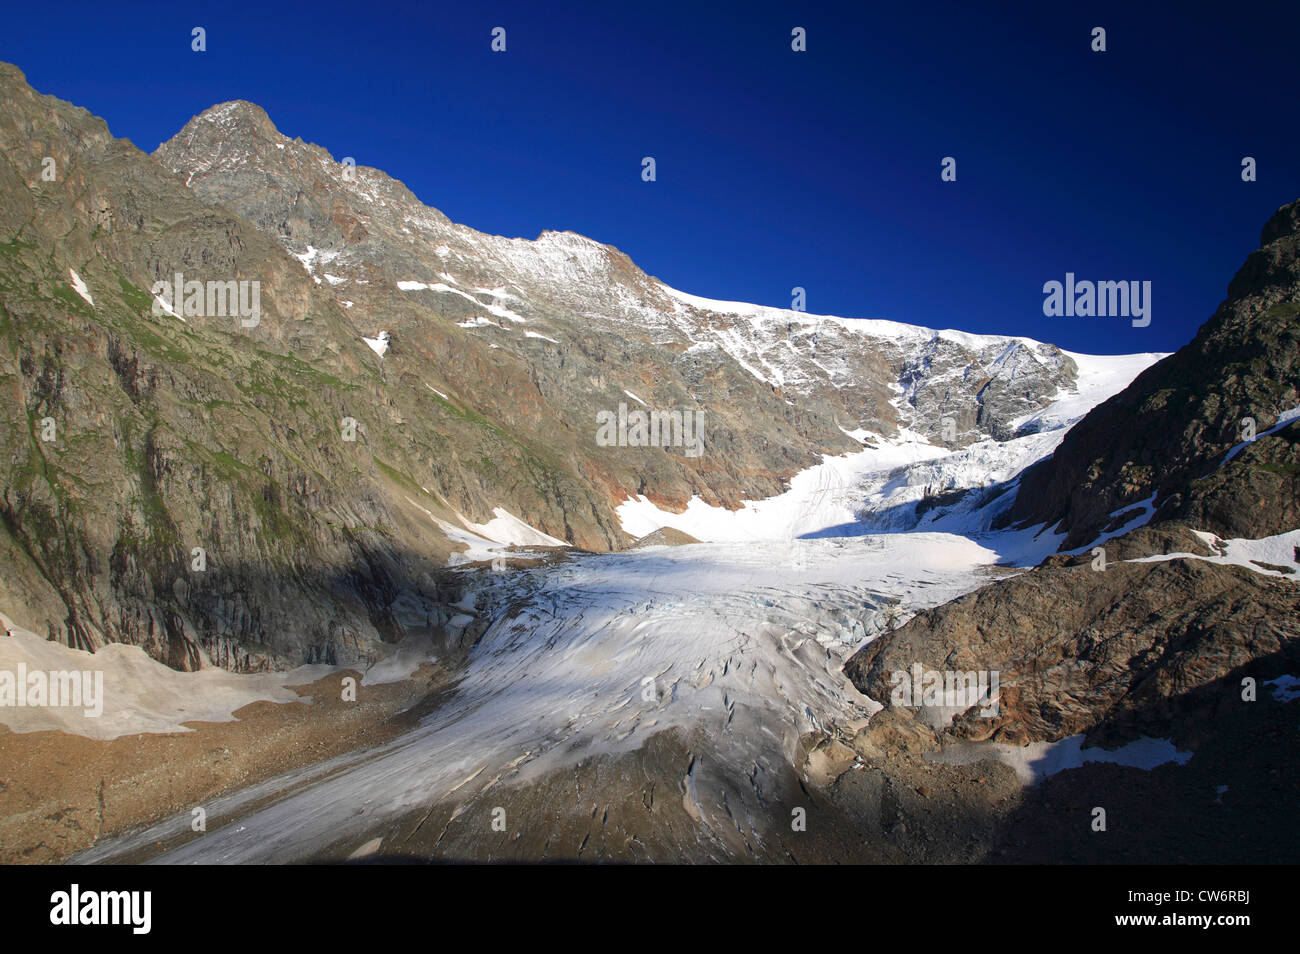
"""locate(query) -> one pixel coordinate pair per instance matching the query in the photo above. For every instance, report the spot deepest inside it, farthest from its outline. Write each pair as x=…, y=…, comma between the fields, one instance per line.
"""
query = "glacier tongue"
x=596, y=656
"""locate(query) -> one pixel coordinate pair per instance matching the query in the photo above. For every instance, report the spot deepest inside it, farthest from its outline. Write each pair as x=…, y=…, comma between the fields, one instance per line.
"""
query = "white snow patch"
x=308, y=258
x=1278, y=550
x=1100, y=378
x=498, y=310
x=1037, y=760
x=502, y=312
x=821, y=497
x=80, y=288
x=506, y=528
x=483, y=541
x=1283, y=419
x=1285, y=688
x=166, y=306
x=873, y=327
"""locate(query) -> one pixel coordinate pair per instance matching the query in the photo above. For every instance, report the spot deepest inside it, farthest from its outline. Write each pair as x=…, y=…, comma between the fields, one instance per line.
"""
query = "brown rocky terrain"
x=72, y=791
x=1081, y=650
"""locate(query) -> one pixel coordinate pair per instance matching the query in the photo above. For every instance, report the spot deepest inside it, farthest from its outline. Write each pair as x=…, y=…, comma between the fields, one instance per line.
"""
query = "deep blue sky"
x=775, y=168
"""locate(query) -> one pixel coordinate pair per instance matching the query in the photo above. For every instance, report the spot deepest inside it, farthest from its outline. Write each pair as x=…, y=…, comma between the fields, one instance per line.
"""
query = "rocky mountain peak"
x=238, y=115
x=1284, y=222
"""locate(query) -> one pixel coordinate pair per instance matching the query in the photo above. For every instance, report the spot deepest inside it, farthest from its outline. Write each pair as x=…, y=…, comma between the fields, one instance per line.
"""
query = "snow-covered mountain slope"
x=904, y=482
x=785, y=374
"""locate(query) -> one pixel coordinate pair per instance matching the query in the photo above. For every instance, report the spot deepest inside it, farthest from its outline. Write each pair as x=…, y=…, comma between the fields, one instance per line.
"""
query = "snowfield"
x=1257, y=555
x=878, y=489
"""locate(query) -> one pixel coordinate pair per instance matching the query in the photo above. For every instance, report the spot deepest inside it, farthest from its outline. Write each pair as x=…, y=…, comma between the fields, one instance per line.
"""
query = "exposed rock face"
x=228, y=435
x=1180, y=650
x=1169, y=431
x=665, y=537
x=1077, y=649
x=131, y=439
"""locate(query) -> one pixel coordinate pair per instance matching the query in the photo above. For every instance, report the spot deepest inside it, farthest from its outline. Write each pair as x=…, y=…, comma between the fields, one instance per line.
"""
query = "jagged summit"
x=237, y=118
x=368, y=238
x=237, y=112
